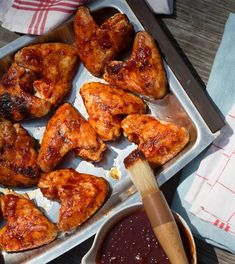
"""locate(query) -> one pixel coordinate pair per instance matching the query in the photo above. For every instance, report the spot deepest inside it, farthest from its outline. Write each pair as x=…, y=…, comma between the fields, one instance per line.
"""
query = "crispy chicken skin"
x=26, y=226
x=38, y=79
x=17, y=101
x=106, y=107
x=18, y=156
x=54, y=63
x=68, y=130
x=97, y=45
x=159, y=141
x=143, y=72
x=80, y=194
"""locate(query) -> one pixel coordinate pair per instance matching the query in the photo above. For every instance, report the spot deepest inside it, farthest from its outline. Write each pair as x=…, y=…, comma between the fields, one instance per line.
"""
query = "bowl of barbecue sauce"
x=127, y=237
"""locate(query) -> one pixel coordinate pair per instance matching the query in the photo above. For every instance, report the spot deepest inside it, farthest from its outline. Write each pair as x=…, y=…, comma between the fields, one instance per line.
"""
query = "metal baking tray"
x=186, y=104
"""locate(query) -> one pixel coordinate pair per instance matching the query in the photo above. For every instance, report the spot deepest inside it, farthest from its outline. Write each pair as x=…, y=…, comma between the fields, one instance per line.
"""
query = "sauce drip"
x=132, y=241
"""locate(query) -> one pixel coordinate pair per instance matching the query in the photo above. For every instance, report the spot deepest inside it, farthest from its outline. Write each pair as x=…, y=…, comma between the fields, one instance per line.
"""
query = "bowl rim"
x=90, y=256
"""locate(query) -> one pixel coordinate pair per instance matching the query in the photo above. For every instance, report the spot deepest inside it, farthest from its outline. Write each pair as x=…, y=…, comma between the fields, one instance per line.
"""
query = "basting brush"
x=156, y=207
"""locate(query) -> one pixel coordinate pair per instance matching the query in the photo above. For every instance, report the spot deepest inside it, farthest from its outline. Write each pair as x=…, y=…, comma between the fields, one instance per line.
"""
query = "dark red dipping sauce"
x=132, y=241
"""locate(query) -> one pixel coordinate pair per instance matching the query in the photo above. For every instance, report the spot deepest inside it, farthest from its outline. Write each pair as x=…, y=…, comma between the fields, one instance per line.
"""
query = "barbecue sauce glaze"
x=131, y=241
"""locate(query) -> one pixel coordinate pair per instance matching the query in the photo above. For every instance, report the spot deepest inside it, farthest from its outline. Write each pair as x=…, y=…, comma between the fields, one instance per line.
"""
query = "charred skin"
x=18, y=156
x=17, y=101
x=38, y=79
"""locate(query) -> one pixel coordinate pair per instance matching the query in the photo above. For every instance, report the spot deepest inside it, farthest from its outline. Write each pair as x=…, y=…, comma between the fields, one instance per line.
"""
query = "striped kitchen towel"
x=36, y=16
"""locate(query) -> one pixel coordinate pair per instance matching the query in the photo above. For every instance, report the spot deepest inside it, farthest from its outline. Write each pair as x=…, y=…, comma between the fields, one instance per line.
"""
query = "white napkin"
x=212, y=193
x=37, y=17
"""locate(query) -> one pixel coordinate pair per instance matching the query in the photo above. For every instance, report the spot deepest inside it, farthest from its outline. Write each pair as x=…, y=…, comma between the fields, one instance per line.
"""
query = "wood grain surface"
x=196, y=28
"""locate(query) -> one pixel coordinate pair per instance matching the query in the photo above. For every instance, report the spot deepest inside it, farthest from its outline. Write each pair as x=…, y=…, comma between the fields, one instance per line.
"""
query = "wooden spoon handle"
x=165, y=227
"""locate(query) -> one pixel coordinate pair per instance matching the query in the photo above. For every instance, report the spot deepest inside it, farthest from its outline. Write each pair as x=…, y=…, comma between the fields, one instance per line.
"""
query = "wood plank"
x=6, y=36
x=197, y=28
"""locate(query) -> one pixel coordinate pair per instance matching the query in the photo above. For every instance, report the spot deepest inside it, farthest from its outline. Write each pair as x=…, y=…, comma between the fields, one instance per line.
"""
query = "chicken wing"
x=96, y=46
x=17, y=101
x=81, y=195
x=18, y=156
x=68, y=130
x=26, y=226
x=159, y=141
x=38, y=79
x=143, y=72
x=54, y=63
x=106, y=107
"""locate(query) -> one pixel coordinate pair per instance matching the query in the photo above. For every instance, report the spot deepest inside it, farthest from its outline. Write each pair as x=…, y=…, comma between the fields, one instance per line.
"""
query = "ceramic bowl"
x=90, y=257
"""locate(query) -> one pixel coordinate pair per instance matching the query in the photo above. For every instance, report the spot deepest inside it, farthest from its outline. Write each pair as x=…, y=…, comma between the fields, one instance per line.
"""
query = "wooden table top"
x=196, y=28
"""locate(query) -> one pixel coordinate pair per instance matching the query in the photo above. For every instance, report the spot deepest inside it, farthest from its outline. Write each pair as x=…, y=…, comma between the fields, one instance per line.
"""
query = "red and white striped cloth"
x=36, y=16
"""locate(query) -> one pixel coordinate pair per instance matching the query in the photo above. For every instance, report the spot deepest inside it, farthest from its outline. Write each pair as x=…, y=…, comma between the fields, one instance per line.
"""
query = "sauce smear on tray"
x=132, y=241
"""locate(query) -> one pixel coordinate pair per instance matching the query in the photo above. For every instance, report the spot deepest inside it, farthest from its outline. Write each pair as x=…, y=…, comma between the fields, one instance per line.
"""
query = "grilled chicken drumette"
x=159, y=141
x=17, y=99
x=106, y=107
x=68, y=130
x=18, y=156
x=143, y=72
x=38, y=79
x=80, y=195
x=27, y=227
x=97, y=45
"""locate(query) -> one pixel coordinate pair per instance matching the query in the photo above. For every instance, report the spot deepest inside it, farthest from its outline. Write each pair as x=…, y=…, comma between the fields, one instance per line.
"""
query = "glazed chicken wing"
x=17, y=101
x=159, y=141
x=143, y=72
x=54, y=63
x=106, y=107
x=38, y=79
x=96, y=46
x=18, y=156
x=81, y=195
x=68, y=130
x=26, y=226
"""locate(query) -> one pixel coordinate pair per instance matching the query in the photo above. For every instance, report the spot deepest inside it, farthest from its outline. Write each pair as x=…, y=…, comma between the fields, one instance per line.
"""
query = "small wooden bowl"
x=186, y=235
